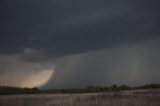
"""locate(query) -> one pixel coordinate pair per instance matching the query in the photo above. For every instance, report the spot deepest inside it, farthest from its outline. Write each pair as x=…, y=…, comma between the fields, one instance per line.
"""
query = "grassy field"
x=87, y=99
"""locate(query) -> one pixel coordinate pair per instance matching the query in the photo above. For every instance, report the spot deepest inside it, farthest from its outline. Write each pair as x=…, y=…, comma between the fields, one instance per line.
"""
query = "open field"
x=87, y=99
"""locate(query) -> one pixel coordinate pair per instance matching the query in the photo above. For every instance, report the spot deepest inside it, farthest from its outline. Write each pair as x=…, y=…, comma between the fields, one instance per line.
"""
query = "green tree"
x=114, y=88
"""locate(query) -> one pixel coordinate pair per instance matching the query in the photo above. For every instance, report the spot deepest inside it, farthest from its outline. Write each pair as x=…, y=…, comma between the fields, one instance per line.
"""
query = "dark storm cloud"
x=124, y=34
x=60, y=27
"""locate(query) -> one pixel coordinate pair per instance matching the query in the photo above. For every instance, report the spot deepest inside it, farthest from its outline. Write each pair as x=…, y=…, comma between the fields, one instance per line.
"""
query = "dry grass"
x=93, y=99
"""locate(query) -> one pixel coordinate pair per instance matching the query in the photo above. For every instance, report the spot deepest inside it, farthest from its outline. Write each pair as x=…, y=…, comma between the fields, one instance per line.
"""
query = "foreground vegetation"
x=83, y=99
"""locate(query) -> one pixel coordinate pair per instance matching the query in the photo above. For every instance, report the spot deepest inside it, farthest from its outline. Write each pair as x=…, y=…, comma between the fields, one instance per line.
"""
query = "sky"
x=76, y=43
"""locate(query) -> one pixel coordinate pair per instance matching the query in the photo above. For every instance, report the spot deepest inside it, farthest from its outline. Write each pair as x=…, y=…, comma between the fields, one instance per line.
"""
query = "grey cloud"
x=81, y=37
x=134, y=65
x=59, y=28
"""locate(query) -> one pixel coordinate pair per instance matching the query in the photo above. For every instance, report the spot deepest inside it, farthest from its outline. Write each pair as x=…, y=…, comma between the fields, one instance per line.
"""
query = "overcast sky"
x=71, y=43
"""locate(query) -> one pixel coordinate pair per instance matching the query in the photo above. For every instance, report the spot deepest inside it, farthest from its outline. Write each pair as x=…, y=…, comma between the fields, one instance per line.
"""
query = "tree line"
x=6, y=90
